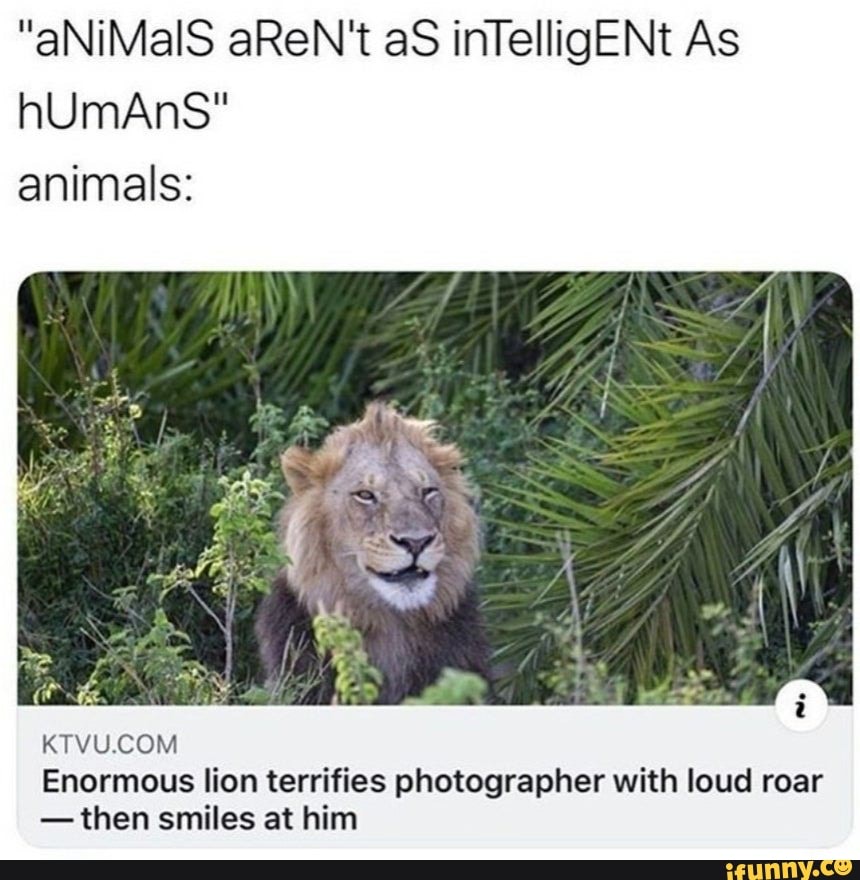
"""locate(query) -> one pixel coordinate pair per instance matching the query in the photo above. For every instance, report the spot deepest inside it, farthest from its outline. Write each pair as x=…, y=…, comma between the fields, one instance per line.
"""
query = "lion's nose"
x=413, y=543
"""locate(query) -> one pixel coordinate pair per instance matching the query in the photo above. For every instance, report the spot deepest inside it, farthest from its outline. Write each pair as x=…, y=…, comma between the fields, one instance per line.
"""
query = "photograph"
x=433, y=488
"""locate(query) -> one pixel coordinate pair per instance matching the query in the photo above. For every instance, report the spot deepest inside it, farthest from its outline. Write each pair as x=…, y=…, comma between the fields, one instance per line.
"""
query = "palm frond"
x=728, y=472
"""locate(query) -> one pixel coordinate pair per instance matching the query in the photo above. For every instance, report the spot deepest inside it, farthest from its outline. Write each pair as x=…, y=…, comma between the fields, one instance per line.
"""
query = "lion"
x=381, y=528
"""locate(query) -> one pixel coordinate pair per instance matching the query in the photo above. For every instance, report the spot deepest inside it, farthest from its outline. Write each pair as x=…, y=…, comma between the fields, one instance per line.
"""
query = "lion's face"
x=380, y=514
x=387, y=506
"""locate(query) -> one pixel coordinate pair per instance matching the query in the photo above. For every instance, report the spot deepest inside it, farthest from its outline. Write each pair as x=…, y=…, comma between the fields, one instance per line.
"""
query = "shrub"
x=356, y=680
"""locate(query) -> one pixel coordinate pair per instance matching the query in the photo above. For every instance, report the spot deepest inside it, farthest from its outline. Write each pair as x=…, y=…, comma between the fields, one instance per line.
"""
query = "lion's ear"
x=446, y=458
x=296, y=463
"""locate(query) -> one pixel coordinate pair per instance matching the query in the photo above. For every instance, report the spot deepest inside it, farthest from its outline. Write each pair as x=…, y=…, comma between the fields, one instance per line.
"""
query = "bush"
x=95, y=522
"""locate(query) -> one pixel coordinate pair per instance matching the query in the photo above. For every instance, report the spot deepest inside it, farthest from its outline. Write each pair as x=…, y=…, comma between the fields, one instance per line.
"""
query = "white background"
x=746, y=163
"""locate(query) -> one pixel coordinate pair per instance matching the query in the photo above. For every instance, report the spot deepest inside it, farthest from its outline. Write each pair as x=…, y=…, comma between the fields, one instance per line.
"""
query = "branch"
x=207, y=609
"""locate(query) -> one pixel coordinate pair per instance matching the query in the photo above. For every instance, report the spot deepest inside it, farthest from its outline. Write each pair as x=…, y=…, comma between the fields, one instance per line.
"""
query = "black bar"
x=56, y=819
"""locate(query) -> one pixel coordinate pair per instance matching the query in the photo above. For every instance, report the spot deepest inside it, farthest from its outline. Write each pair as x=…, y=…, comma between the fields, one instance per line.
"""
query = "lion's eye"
x=365, y=496
x=429, y=492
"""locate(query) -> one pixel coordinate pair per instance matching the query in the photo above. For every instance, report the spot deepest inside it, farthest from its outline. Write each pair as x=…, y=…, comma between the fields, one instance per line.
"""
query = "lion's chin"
x=405, y=595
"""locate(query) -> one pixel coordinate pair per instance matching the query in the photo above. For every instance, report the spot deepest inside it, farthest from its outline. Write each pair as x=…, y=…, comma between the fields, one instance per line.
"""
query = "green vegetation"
x=664, y=466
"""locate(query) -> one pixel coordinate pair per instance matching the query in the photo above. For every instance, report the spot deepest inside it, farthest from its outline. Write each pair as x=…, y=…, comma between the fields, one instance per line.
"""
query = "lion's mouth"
x=403, y=575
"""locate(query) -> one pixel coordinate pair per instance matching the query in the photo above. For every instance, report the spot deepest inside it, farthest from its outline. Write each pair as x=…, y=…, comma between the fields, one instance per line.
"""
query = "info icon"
x=801, y=705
